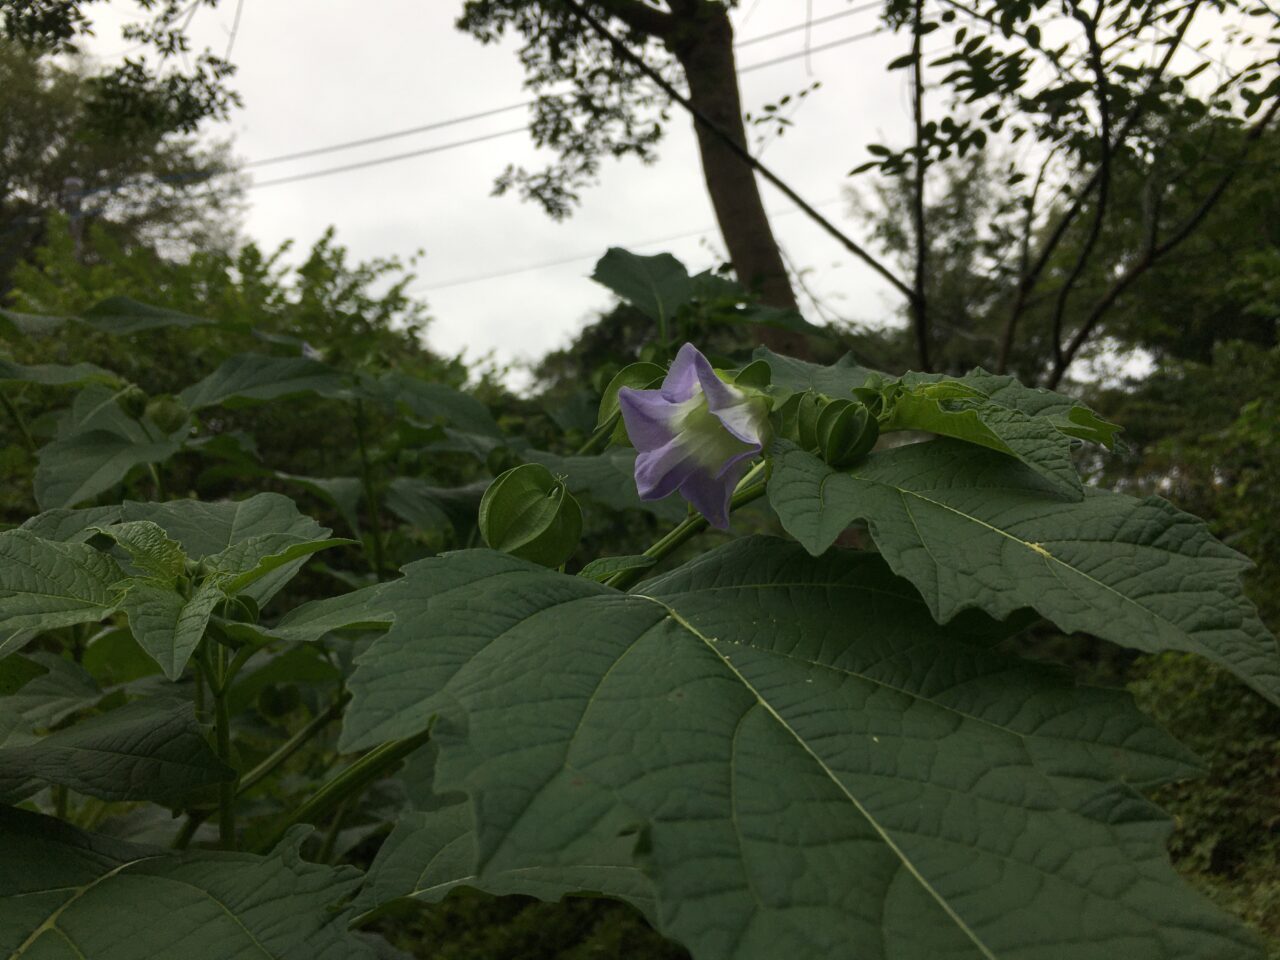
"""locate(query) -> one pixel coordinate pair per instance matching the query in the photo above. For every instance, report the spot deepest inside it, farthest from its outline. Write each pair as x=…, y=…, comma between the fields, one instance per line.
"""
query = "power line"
x=465, y=118
x=804, y=53
x=439, y=148
x=796, y=27
x=378, y=161
x=409, y=131
x=546, y=265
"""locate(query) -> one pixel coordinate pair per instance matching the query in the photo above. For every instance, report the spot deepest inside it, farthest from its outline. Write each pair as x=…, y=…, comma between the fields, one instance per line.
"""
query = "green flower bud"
x=167, y=412
x=133, y=401
x=846, y=432
x=807, y=415
x=638, y=376
x=529, y=513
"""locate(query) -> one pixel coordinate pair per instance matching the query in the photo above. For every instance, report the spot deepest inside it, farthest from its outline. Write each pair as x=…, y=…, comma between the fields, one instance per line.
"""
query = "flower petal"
x=660, y=472
x=682, y=378
x=652, y=421
x=710, y=496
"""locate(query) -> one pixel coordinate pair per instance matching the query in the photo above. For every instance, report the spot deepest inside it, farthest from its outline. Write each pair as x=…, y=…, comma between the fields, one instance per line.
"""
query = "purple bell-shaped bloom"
x=695, y=434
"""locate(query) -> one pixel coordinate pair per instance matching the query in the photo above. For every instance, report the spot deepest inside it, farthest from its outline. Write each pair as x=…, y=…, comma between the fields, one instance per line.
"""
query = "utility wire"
x=547, y=264
x=796, y=27
x=378, y=161
x=465, y=118
x=395, y=134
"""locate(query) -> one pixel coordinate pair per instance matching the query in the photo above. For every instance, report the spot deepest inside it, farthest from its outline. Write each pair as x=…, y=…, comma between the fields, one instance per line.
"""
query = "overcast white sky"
x=318, y=73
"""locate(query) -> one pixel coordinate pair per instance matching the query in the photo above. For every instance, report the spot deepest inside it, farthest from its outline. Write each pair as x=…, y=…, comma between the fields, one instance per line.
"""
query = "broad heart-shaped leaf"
x=205, y=529
x=124, y=315
x=256, y=376
x=434, y=402
x=50, y=698
x=428, y=507
x=432, y=853
x=45, y=585
x=66, y=525
x=78, y=467
x=811, y=766
x=145, y=750
x=950, y=408
x=248, y=561
x=972, y=528
x=56, y=375
x=657, y=286
x=167, y=625
x=364, y=609
x=610, y=479
x=149, y=549
x=797, y=376
x=69, y=894
x=1068, y=416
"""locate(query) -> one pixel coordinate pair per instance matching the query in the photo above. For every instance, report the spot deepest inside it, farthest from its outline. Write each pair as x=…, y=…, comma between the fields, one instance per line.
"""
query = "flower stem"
x=748, y=490
x=292, y=745
x=215, y=668
x=19, y=422
x=599, y=439
x=352, y=779
x=370, y=495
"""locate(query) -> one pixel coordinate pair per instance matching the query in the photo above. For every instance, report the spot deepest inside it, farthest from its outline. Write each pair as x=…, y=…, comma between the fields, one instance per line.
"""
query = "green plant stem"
x=161, y=495
x=292, y=745
x=600, y=439
x=370, y=496
x=352, y=779
x=691, y=526
x=331, y=835
x=60, y=801
x=19, y=422
x=189, y=828
x=215, y=657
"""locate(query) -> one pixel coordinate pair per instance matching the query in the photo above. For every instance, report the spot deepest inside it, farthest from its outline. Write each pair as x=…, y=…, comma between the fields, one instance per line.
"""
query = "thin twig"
x=1155, y=251
x=919, y=316
x=1104, y=174
x=1029, y=280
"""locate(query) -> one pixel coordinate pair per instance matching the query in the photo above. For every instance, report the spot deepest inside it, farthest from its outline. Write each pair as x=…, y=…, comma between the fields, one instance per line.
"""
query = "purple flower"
x=695, y=434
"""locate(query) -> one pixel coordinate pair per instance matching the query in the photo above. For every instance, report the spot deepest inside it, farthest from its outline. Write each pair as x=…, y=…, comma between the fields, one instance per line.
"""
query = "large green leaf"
x=1068, y=415
x=971, y=528
x=52, y=697
x=251, y=559
x=364, y=609
x=436, y=402
x=56, y=375
x=256, y=376
x=167, y=625
x=149, y=549
x=69, y=894
x=146, y=750
x=121, y=316
x=76, y=468
x=45, y=585
x=805, y=759
x=951, y=408
x=206, y=529
x=432, y=853
x=657, y=286
x=790, y=375
x=64, y=524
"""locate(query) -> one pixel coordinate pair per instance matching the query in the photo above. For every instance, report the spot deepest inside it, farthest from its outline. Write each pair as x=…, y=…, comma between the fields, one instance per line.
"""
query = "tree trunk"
x=704, y=46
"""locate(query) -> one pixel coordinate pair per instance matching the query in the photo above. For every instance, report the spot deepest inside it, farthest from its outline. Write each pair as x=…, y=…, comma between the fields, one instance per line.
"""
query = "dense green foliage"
x=680, y=738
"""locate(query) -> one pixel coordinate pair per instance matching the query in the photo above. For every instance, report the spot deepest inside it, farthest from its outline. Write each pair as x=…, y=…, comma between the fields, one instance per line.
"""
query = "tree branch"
x=919, y=316
x=741, y=151
x=1104, y=174
x=640, y=17
x=1154, y=251
x=1029, y=280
